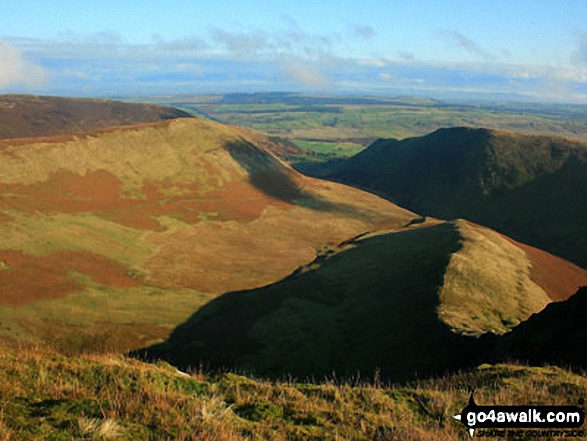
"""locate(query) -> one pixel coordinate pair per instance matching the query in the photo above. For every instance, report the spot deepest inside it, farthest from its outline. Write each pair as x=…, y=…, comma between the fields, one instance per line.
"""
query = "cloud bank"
x=242, y=59
x=15, y=70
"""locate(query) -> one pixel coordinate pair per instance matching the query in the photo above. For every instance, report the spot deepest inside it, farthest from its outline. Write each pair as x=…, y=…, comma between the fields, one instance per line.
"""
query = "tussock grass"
x=32, y=115
x=44, y=395
x=148, y=153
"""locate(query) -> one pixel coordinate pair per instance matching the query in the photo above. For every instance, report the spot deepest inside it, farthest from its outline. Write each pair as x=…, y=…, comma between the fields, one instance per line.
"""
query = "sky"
x=525, y=50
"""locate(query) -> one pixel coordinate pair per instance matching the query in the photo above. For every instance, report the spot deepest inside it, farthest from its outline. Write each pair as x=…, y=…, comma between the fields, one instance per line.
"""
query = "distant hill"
x=113, y=237
x=29, y=115
x=402, y=303
x=531, y=188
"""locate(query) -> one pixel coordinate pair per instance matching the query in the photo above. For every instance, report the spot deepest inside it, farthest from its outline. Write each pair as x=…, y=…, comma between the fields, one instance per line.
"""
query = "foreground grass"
x=45, y=395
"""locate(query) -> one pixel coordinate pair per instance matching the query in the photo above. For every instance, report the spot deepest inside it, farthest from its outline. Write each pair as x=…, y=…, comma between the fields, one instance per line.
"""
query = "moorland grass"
x=186, y=207
x=46, y=395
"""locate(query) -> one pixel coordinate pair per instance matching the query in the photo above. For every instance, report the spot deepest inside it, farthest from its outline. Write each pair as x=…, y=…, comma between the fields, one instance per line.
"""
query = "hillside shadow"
x=368, y=309
x=276, y=180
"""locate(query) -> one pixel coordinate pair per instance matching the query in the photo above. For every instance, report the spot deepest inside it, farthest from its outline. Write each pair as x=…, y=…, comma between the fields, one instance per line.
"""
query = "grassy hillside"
x=23, y=116
x=49, y=396
x=125, y=232
x=531, y=188
x=398, y=302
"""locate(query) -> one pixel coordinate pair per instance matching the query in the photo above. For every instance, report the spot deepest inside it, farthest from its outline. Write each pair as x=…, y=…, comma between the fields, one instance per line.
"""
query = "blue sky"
x=528, y=50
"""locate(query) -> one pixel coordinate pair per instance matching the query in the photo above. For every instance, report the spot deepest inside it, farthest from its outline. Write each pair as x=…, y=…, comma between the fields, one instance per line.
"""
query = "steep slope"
x=401, y=302
x=555, y=335
x=23, y=116
x=126, y=231
x=531, y=188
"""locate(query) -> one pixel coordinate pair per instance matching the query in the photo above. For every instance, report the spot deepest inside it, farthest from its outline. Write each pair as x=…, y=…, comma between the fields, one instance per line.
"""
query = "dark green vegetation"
x=356, y=312
x=27, y=115
x=532, y=188
x=44, y=395
x=399, y=303
x=328, y=127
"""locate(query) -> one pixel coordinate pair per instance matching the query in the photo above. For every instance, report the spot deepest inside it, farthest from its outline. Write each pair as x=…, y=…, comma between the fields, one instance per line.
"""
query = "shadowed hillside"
x=556, y=335
x=114, y=237
x=23, y=116
x=396, y=302
x=532, y=188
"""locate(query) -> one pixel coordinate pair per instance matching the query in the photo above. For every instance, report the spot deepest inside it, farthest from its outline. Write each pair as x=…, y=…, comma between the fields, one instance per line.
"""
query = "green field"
x=339, y=126
x=323, y=150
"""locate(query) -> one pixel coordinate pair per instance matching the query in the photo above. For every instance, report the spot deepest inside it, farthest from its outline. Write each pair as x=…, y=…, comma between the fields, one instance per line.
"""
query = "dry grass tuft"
x=44, y=395
x=98, y=429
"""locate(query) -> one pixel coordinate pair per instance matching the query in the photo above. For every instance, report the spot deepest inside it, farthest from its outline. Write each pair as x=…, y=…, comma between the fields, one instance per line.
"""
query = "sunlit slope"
x=400, y=302
x=114, y=222
x=531, y=188
x=23, y=116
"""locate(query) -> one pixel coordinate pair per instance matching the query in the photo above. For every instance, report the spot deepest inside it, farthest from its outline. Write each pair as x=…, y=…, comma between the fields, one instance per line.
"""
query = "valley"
x=529, y=187
x=325, y=266
x=329, y=127
x=173, y=212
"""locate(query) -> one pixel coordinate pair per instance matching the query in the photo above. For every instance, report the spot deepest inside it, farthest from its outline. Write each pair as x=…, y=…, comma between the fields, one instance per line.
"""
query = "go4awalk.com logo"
x=522, y=421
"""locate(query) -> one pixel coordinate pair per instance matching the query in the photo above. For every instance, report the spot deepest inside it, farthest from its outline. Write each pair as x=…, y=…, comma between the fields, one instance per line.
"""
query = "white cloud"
x=15, y=70
x=524, y=74
x=76, y=74
x=372, y=62
x=191, y=45
x=245, y=43
x=364, y=31
x=305, y=75
x=191, y=67
x=406, y=56
x=243, y=58
x=467, y=44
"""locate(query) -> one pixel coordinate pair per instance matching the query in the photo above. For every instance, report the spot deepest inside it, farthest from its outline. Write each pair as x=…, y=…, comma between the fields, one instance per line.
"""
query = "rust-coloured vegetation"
x=23, y=116
x=208, y=210
x=26, y=279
